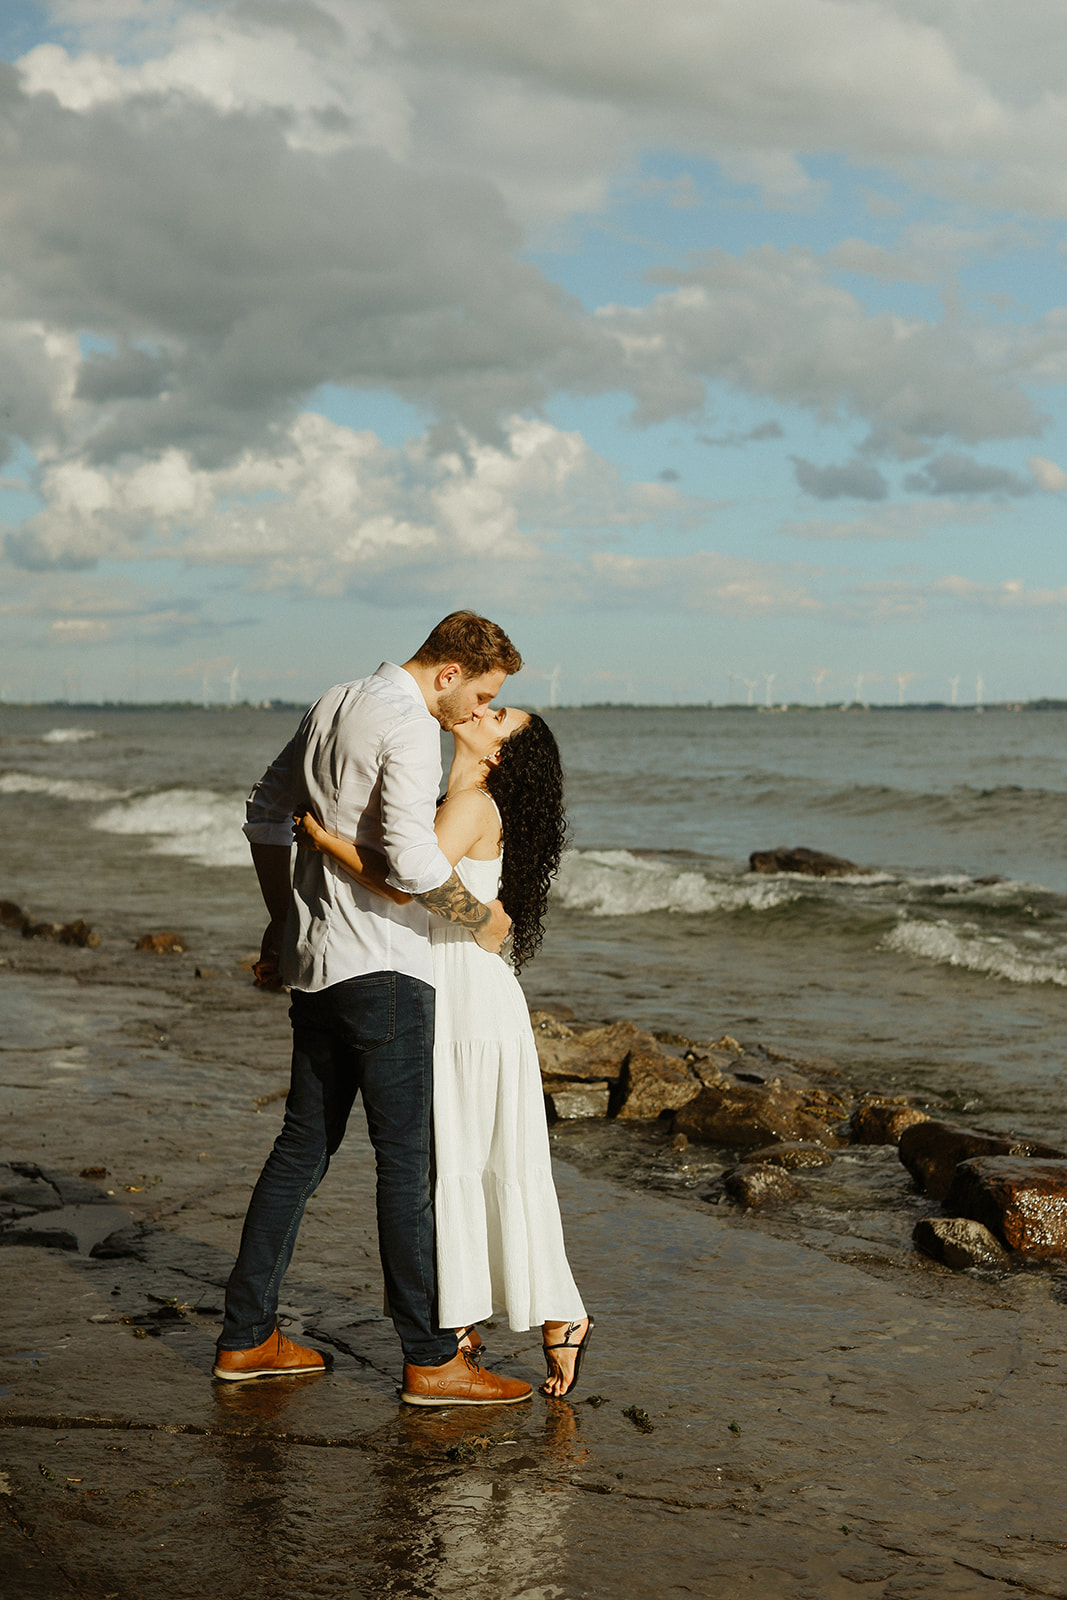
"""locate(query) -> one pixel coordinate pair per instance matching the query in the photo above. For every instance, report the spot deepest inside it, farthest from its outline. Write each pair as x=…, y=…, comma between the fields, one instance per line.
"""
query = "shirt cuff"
x=280, y=833
x=437, y=872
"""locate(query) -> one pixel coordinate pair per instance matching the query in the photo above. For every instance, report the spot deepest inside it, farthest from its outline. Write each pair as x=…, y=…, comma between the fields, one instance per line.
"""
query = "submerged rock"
x=760, y=1187
x=75, y=933
x=794, y=1157
x=812, y=863
x=1023, y=1202
x=747, y=1115
x=932, y=1151
x=162, y=944
x=881, y=1119
x=958, y=1242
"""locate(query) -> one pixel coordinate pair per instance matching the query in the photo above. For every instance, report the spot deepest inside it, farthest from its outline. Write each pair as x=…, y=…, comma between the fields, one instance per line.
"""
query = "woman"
x=499, y=1235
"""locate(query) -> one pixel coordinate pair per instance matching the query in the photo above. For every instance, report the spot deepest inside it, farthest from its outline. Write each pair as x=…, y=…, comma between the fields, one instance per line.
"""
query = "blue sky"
x=713, y=367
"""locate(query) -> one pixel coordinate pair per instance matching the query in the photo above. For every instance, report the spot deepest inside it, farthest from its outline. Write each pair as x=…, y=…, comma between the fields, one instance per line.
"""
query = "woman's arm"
x=366, y=866
x=461, y=823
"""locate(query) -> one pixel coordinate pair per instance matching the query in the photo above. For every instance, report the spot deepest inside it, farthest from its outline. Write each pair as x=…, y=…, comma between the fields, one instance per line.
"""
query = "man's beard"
x=450, y=709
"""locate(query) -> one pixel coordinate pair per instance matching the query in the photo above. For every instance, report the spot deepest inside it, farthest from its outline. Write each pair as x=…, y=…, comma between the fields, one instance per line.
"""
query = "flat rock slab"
x=570, y=1100
x=932, y=1150
x=1023, y=1202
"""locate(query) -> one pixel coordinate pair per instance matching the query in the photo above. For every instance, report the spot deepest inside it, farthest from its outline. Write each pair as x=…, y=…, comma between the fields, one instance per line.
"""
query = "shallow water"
x=942, y=970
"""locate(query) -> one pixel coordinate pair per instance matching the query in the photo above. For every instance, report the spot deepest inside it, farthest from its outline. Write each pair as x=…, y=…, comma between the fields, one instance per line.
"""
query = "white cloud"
x=1046, y=474
x=330, y=506
x=774, y=324
x=956, y=97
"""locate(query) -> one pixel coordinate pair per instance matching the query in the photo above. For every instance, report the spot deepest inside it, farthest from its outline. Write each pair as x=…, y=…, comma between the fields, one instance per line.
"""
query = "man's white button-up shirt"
x=367, y=761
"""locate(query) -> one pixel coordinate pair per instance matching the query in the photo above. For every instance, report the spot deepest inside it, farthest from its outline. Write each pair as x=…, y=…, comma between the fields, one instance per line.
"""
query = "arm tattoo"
x=456, y=904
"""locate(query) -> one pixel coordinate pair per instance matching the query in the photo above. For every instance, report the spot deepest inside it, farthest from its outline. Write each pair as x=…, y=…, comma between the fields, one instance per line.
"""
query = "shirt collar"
x=394, y=674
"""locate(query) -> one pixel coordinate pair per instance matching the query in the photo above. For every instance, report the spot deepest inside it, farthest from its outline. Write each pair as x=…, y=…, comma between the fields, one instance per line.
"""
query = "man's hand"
x=493, y=933
x=267, y=970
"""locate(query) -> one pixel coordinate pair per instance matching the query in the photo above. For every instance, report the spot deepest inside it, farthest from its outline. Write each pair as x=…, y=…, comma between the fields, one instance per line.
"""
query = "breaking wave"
x=67, y=735
x=948, y=946
x=82, y=789
x=197, y=824
x=614, y=883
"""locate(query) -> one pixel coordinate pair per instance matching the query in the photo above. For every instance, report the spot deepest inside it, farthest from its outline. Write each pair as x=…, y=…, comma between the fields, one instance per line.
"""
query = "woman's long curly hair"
x=527, y=785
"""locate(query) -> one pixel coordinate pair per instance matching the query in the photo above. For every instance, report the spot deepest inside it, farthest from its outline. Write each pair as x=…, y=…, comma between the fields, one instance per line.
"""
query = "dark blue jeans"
x=371, y=1035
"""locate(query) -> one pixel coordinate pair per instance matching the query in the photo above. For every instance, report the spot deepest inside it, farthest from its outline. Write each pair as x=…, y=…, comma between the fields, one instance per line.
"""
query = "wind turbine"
x=552, y=679
x=860, y=677
x=978, y=687
x=768, y=678
x=818, y=678
x=233, y=685
x=902, y=679
x=954, y=685
x=750, y=684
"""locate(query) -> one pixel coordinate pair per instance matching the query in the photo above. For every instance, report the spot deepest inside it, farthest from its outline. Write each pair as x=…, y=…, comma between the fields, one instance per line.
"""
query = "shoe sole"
x=458, y=1400
x=264, y=1372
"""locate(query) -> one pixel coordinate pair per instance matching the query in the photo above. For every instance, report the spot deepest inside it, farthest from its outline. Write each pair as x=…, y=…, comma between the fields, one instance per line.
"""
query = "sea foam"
x=197, y=824
x=615, y=883
x=67, y=735
x=948, y=946
x=82, y=789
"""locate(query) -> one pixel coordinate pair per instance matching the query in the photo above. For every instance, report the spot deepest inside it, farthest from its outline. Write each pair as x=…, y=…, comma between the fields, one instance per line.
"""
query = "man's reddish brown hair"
x=473, y=643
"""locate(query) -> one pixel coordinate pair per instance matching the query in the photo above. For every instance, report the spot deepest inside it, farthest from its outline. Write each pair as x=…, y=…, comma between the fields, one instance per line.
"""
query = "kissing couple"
x=388, y=930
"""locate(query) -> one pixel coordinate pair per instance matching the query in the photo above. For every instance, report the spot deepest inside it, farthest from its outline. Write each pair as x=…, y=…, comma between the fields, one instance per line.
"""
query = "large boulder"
x=1023, y=1202
x=812, y=863
x=652, y=1082
x=746, y=1115
x=881, y=1119
x=932, y=1151
x=594, y=1055
x=958, y=1242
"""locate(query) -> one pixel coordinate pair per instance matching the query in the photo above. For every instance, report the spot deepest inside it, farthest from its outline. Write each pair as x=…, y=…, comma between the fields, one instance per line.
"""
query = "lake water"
x=943, y=971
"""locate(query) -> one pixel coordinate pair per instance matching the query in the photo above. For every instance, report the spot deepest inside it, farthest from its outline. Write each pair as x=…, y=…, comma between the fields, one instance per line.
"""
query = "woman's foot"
x=564, y=1346
x=469, y=1339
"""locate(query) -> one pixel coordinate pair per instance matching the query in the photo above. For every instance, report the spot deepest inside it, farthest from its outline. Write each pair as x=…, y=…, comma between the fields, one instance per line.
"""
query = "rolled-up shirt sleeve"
x=411, y=772
x=269, y=808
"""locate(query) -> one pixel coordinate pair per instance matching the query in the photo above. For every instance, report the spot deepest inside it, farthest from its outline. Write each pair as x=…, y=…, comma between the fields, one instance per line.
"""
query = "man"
x=367, y=760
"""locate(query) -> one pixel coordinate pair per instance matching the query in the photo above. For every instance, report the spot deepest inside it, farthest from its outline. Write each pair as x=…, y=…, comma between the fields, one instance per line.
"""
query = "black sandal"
x=477, y=1343
x=565, y=1344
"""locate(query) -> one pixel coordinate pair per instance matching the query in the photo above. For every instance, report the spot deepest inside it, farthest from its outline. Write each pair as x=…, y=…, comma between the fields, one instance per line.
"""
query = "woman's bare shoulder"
x=467, y=824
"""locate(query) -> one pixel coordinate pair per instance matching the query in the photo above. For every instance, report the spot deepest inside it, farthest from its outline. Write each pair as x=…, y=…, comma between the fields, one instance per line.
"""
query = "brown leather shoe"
x=276, y=1357
x=460, y=1382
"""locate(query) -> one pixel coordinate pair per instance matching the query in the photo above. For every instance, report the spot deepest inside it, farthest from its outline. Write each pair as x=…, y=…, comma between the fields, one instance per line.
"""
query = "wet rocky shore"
x=789, y=1395
x=761, y=1129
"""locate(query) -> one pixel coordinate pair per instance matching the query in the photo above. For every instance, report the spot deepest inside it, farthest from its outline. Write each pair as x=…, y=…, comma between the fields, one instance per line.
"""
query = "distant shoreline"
x=850, y=707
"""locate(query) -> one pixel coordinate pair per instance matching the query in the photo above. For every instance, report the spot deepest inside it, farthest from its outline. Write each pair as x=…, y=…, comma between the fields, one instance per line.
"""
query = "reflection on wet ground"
x=785, y=1409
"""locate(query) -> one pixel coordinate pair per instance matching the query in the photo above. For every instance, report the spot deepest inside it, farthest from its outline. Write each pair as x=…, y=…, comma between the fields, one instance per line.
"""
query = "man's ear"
x=448, y=675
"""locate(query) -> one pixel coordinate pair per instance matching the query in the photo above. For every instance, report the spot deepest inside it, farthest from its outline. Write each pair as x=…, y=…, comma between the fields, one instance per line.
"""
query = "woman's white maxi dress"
x=499, y=1234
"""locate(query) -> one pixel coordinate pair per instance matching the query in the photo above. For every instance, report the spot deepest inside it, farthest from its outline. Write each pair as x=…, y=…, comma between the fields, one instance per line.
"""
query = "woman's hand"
x=308, y=831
